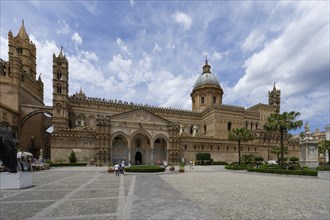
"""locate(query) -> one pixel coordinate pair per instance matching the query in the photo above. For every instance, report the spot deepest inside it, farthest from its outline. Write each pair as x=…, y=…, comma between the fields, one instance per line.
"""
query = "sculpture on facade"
x=8, y=153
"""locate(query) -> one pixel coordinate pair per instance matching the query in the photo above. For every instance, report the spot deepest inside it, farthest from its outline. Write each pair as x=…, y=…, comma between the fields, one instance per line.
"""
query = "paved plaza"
x=202, y=193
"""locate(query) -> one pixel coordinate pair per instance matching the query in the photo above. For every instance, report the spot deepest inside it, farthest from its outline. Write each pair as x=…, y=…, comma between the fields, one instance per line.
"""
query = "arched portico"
x=119, y=147
x=159, y=149
x=141, y=148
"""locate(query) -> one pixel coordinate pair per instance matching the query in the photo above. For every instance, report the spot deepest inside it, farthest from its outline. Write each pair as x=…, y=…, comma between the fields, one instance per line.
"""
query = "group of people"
x=119, y=168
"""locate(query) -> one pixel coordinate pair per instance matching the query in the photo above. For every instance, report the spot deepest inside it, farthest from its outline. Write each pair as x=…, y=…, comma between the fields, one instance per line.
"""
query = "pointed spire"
x=22, y=32
x=39, y=78
x=274, y=88
x=61, y=52
x=206, y=67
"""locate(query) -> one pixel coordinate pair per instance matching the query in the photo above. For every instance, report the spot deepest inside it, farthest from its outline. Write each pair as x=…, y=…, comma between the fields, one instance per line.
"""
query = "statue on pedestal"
x=8, y=152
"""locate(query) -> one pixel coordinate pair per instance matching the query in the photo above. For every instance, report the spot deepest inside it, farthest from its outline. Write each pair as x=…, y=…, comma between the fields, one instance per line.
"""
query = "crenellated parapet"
x=97, y=102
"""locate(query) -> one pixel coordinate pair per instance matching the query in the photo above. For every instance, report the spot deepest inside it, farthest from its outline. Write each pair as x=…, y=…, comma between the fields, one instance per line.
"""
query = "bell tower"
x=274, y=99
x=60, y=91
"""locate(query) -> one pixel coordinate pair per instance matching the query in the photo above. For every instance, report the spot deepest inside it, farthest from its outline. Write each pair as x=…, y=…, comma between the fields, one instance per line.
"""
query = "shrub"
x=72, y=157
x=78, y=164
x=220, y=163
x=247, y=158
x=144, y=168
x=203, y=156
x=258, y=159
x=294, y=159
x=324, y=167
x=281, y=171
x=236, y=167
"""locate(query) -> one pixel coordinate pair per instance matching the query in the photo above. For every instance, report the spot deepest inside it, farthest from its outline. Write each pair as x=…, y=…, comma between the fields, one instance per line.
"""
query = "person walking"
x=122, y=166
x=116, y=168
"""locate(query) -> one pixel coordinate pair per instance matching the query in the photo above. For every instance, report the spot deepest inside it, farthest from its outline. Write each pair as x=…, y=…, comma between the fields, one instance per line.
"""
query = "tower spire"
x=22, y=32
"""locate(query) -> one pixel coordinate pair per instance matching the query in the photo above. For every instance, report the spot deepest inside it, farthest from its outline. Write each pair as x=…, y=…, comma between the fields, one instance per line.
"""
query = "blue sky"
x=152, y=52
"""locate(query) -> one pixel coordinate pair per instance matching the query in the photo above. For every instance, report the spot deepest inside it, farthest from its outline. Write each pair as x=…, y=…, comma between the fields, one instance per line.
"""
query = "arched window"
x=202, y=100
x=218, y=147
x=205, y=129
x=185, y=147
x=211, y=148
x=19, y=50
x=59, y=89
x=194, y=147
x=59, y=75
x=229, y=126
x=214, y=99
x=80, y=121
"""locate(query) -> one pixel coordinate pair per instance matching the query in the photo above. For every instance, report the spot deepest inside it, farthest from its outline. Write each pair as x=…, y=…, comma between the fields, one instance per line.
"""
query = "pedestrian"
x=116, y=168
x=122, y=166
x=191, y=164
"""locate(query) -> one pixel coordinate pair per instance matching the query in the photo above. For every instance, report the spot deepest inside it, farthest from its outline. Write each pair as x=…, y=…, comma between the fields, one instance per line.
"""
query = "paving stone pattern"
x=201, y=193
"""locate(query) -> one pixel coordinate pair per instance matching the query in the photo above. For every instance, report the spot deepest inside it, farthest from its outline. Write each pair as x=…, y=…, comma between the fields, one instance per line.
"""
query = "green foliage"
x=283, y=123
x=72, y=157
x=144, y=168
x=323, y=146
x=294, y=159
x=281, y=171
x=219, y=163
x=258, y=159
x=324, y=167
x=77, y=164
x=235, y=167
x=277, y=150
x=182, y=166
x=240, y=135
x=203, y=156
x=247, y=158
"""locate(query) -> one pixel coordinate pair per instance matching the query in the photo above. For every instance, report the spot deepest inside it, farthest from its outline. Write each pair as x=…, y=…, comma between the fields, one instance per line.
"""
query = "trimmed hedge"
x=144, y=169
x=324, y=167
x=203, y=156
x=288, y=172
x=219, y=163
x=79, y=164
x=236, y=167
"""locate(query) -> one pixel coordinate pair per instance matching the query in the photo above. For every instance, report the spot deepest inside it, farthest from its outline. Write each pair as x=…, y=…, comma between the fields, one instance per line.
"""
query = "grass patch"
x=144, y=169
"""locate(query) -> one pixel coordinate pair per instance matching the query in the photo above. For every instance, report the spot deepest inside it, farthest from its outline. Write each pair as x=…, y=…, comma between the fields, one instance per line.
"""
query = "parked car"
x=270, y=162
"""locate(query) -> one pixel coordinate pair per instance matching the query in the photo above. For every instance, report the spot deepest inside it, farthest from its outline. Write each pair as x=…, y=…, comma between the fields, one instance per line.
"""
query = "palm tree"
x=283, y=123
x=240, y=135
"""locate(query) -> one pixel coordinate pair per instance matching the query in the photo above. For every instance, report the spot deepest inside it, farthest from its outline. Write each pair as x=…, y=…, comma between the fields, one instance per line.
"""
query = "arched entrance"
x=160, y=150
x=119, y=149
x=138, y=158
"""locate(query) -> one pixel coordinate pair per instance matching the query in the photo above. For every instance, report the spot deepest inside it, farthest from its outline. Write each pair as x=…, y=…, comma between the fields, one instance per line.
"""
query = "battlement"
x=119, y=103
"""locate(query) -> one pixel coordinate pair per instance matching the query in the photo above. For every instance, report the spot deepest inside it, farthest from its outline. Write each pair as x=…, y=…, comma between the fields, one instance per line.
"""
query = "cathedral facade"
x=110, y=130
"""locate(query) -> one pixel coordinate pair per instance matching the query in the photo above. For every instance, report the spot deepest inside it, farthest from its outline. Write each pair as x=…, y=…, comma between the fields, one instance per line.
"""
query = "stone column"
x=152, y=155
x=129, y=155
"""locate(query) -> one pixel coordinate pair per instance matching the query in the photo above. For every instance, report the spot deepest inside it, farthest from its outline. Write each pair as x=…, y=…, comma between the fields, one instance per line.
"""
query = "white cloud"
x=157, y=48
x=4, y=49
x=76, y=39
x=64, y=27
x=122, y=46
x=298, y=60
x=91, y=56
x=183, y=19
x=253, y=41
x=132, y=2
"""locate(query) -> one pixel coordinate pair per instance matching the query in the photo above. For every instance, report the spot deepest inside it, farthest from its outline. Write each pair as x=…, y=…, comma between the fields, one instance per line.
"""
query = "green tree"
x=72, y=157
x=283, y=123
x=324, y=145
x=277, y=150
x=240, y=135
x=247, y=158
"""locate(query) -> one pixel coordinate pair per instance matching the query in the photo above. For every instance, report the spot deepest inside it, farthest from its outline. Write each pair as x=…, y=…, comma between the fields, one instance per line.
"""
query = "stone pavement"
x=91, y=193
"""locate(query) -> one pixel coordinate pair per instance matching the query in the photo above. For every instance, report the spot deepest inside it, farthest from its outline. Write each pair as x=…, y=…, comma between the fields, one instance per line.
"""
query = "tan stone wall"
x=84, y=148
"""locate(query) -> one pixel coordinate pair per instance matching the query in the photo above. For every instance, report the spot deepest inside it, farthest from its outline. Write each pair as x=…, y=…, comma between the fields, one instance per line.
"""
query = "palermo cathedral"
x=110, y=130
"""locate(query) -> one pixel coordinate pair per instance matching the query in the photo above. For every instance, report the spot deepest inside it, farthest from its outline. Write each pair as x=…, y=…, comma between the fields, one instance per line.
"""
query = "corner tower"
x=60, y=91
x=207, y=91
x=274, y=99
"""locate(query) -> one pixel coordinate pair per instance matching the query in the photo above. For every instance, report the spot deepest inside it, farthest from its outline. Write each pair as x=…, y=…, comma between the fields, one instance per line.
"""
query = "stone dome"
x=207, y=78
